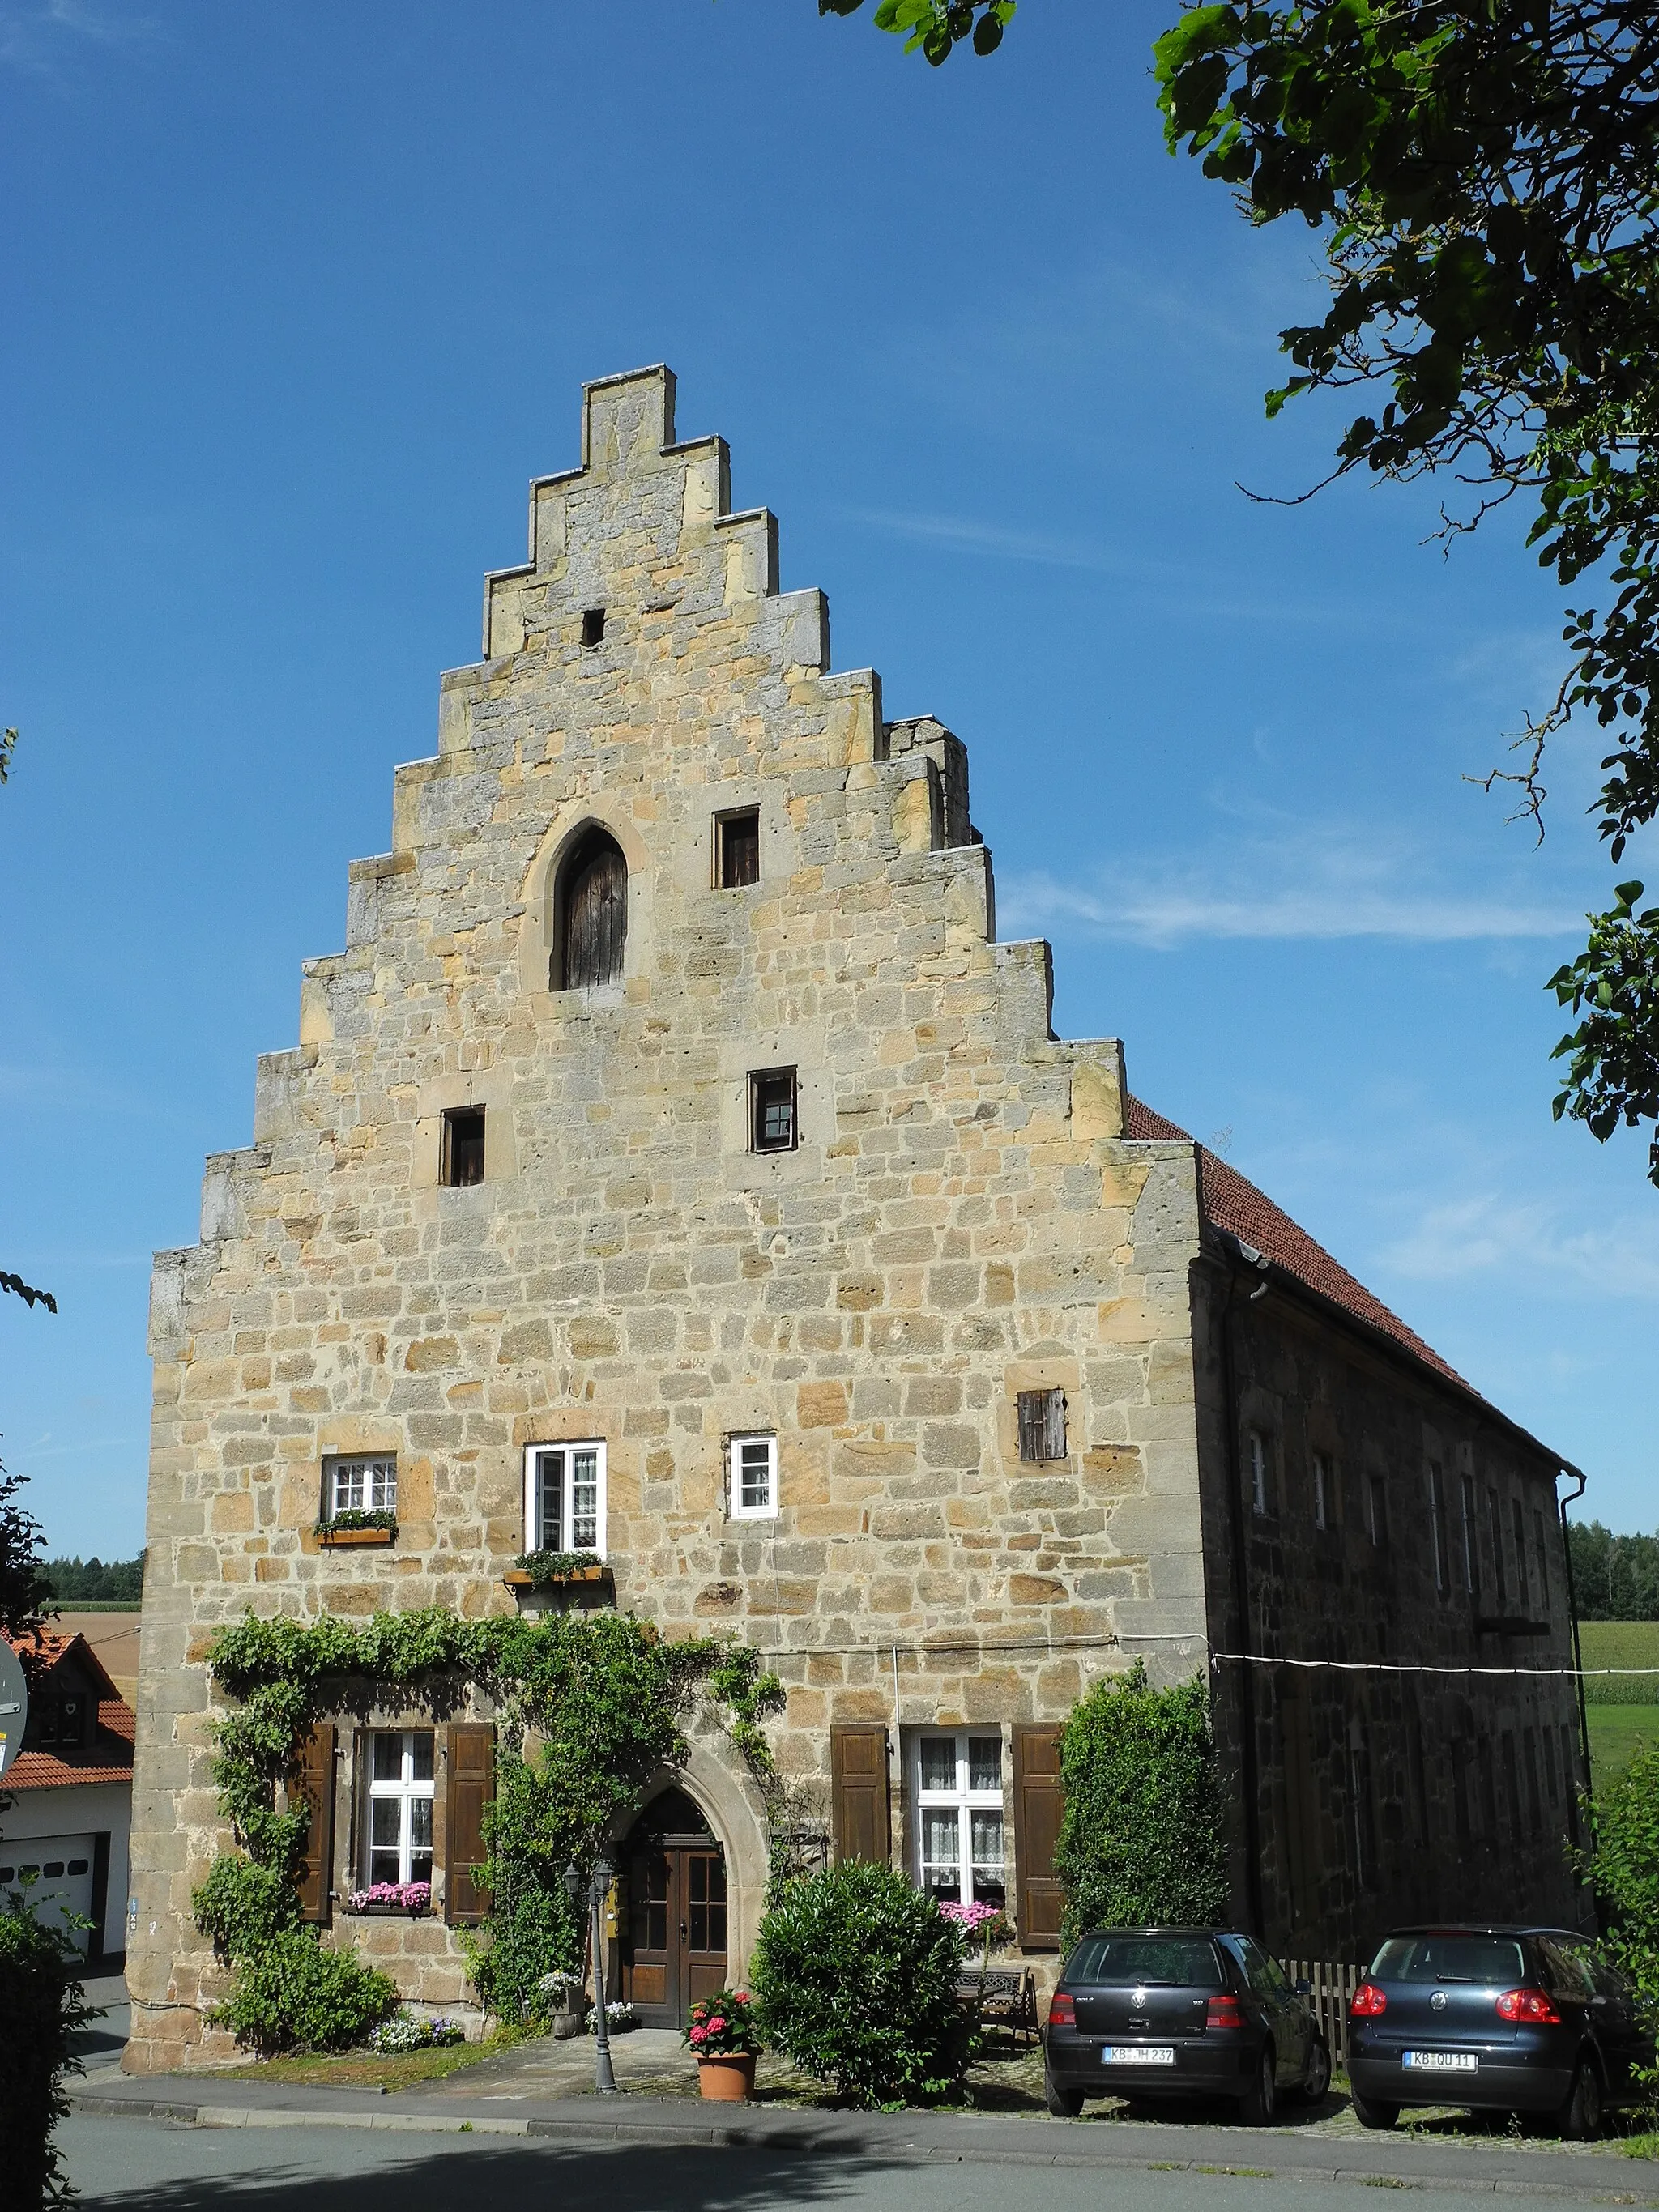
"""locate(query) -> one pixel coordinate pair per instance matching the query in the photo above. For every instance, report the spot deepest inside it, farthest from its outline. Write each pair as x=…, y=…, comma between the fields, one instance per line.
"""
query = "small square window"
x=593, y=626
x=772, y=1119
x=753, y=1473
x=365, y=1483
x=1042, y=1425
x=464, y=1146
x=564, y=1497
x=737, y=849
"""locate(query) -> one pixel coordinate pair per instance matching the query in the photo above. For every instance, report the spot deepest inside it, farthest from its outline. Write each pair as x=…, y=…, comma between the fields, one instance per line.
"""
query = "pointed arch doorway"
x=674, y=1945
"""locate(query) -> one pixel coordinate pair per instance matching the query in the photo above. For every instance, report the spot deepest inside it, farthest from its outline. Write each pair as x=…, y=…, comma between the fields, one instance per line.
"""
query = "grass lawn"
x=1616, y=1732
x=369, y=2070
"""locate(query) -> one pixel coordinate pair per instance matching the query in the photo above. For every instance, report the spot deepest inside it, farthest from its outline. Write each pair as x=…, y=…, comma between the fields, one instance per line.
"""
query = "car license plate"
x=1440, y=2062
x=1137, y=2054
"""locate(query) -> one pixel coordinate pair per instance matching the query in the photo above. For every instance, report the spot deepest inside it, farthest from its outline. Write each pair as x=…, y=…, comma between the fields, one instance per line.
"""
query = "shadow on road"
x=590, y=2178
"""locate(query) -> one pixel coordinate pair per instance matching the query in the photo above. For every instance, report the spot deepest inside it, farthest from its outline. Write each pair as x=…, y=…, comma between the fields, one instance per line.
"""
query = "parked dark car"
x=1511, y=2020
x=1179, y=2012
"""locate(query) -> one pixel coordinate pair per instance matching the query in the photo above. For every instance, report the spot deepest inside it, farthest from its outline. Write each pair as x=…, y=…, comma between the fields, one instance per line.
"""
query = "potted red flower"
x=726, y=2042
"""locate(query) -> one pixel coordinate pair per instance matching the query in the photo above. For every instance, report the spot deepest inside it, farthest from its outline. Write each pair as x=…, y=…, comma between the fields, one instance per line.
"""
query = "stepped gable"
x=1232, y=1204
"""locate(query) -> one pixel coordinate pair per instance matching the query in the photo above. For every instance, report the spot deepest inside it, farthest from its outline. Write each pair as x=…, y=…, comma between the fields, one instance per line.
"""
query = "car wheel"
x=1064, y=2104
x=1255, y=2107
x=1317, y=2074
x=1581, y=2116
x=1370, y=2113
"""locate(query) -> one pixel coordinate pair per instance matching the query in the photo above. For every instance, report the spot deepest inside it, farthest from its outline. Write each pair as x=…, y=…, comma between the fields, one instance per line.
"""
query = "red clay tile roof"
x=52, y=1648
x=1230, y=1203
x=108, y=1758
x=41, y=1769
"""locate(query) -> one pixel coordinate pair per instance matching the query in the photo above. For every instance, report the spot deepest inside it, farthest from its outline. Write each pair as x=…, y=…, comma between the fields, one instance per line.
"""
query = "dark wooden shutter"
x=1042, y=1424
x=471, y=1784
x=311, y=1783
x=1039, y=1800
x=596, y=915
x=858, y=1781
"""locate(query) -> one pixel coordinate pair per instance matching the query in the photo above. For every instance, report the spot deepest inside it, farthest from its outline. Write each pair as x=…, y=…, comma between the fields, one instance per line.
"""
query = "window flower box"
x=556, y=1570
x=413, y=1899
x=349, y=1530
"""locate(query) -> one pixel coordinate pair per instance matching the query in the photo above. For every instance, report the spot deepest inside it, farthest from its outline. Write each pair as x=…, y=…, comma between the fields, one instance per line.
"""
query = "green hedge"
x=1142, y=1840
x=855, y=1971
x=40, y=2008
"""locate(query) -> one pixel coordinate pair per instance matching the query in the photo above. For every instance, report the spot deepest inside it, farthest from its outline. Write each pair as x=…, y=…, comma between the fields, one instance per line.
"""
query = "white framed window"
x=367, y=1482
x=752, y=1475
x=564, y=1497
x=1321, y=1490
x=955, y=1786
x=1256, y=1468
x=398, y=1815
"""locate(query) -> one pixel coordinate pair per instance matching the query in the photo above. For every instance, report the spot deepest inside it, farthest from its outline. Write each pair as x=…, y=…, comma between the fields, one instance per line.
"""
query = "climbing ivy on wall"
x=590, y=1706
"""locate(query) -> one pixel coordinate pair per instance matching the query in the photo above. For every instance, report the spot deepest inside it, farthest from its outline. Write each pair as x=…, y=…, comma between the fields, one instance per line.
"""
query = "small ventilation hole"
x=593, y=626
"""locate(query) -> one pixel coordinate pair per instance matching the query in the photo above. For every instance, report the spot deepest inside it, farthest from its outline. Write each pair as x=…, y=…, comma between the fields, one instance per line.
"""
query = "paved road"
x=146, y=2166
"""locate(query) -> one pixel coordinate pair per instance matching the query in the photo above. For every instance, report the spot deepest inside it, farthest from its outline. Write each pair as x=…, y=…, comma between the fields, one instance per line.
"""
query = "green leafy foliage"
x=1141, y=1840
x=1622, y=1867
x=292, y=1992
x=934, y=28
x=854, y=1976
x=545, y=1568
x=602, y=1695
x=1484, y=172
x=1613, y=1056
x=95, y=1580
x=1613, y=1577
x=359, y=1516
x=42, y=2006
x=24, y=1590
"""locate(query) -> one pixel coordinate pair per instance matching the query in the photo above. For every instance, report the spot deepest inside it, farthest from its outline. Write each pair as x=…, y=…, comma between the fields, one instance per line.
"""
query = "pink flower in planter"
x=715, y=2026
x=699, y=2034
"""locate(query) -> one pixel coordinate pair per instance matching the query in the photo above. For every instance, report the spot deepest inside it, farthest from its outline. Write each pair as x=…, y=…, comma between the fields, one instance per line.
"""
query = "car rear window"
x=1183, y=1962
x=1485, y=1961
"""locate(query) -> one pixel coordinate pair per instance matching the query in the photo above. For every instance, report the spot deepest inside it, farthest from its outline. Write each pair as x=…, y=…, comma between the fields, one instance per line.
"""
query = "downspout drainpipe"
x=1251, y=1777
x=1571, y=1499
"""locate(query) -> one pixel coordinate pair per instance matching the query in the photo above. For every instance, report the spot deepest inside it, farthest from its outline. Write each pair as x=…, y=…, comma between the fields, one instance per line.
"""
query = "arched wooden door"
x=594, y=922
x=674, y=1944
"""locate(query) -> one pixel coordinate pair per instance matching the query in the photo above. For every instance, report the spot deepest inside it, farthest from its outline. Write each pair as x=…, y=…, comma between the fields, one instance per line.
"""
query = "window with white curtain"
x=956, y=1777
x=399, y=1807
x=564, y=1497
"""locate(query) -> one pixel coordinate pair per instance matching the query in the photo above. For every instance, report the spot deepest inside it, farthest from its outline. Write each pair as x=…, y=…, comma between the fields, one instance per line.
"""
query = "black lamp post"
x=599, y=1889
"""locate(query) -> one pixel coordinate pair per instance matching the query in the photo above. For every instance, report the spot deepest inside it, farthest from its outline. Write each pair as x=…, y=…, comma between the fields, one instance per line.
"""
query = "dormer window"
x=592, y=915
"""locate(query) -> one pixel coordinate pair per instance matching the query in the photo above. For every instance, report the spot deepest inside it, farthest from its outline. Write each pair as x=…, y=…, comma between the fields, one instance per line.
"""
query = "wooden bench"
x=1001, y=1999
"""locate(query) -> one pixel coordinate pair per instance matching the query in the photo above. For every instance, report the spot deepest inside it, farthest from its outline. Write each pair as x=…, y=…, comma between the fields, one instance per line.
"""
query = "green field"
x=1616, y=1732
x=1620, y=1644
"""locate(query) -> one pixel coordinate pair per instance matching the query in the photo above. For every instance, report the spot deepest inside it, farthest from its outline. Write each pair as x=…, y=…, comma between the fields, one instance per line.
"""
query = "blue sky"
x=297, y=298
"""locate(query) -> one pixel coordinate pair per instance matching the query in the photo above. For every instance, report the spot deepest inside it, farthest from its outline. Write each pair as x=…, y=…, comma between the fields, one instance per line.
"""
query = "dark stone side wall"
x=1381, y=1798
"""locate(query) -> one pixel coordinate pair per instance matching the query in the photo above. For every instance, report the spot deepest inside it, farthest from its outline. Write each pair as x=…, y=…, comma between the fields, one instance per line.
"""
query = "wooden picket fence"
x=1331, y=1988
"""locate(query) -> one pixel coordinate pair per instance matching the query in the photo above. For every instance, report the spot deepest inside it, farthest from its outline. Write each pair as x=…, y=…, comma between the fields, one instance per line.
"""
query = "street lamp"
x=598, y=1888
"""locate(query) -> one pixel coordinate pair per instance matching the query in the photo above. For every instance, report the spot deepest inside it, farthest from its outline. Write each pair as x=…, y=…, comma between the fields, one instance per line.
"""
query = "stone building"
x=675, y=1167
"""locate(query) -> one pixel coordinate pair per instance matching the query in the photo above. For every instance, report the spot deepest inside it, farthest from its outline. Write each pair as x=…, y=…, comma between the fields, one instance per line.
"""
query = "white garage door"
x=61, y=1866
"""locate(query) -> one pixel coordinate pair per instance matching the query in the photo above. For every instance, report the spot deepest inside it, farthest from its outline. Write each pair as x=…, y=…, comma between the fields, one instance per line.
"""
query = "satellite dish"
x=13, y=1706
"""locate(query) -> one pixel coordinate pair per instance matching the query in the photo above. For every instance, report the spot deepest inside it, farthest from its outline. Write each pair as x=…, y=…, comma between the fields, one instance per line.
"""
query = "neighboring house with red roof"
x=64, y=1834
x=675, y=1167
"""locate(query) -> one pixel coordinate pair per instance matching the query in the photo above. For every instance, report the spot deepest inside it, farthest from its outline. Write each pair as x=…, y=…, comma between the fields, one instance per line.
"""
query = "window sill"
x=520, y=1578
x=342, y=1539
x=387, y=1911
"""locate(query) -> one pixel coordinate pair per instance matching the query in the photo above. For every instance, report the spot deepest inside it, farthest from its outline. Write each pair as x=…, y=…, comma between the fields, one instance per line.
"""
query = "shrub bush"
x=293, y=1993
x=1141, y=1840
x=40, y=2008
x=1623, y=1866
x=855, y=1975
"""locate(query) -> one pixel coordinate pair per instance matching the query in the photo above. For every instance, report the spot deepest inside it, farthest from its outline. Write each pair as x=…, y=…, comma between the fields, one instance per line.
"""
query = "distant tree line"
x=92, y=1582
x=1613, y=1577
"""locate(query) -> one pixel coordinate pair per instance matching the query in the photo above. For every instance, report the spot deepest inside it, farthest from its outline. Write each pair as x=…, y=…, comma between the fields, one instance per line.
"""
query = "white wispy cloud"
x=1490, y=1232
x=1299, y=880
x=36, y=36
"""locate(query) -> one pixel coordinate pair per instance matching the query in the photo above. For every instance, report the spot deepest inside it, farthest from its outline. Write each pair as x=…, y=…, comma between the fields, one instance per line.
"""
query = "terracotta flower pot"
x=728, y=2077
